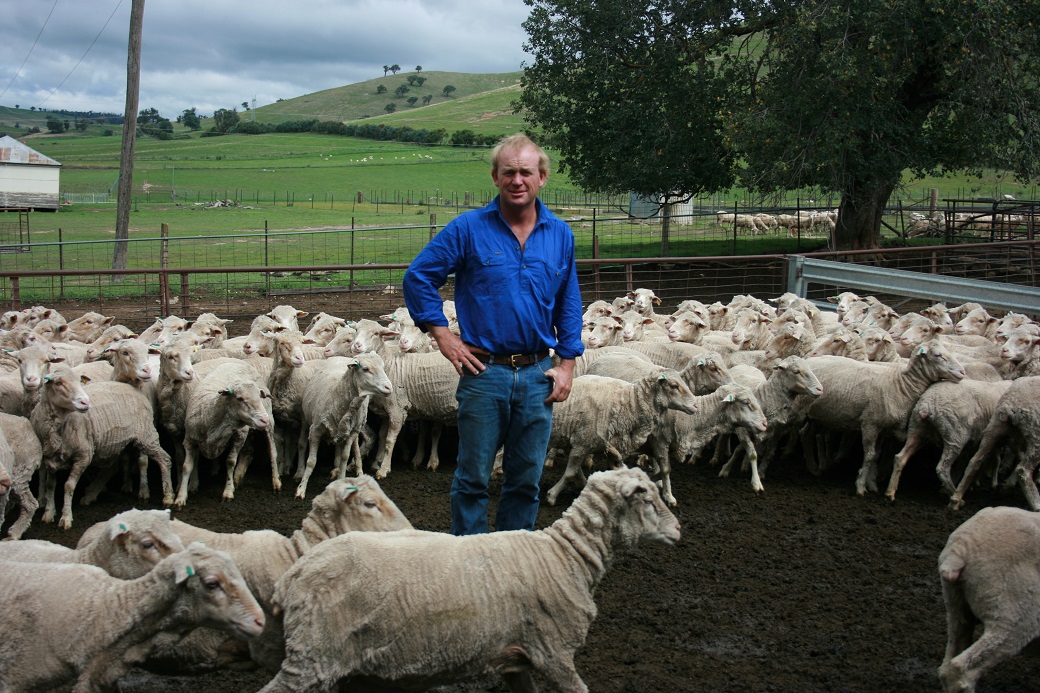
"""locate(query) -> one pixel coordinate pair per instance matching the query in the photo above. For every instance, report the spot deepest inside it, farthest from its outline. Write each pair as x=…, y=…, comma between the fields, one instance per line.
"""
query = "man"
x=516, y=296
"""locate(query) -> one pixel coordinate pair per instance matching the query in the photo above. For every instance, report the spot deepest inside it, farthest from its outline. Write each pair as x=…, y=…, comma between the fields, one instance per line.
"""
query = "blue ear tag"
x=190, y=571
x=122, y=527
x=662, y=377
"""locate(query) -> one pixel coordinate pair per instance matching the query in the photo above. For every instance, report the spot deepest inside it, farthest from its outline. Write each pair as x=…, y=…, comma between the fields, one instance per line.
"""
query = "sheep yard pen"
x=805, y=587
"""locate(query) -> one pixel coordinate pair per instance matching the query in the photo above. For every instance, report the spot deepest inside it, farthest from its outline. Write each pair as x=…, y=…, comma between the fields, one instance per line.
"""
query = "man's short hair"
x=518, y=142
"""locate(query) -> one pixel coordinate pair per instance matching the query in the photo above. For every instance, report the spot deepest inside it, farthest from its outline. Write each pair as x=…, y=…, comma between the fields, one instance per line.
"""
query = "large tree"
x=679, y=98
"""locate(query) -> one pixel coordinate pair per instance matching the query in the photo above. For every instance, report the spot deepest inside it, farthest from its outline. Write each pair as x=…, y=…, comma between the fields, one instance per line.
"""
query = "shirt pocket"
x=491, y=277
x=546, y=279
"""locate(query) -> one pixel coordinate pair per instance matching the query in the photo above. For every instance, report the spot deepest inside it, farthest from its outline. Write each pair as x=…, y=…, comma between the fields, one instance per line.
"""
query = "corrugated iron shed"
x=14, y=152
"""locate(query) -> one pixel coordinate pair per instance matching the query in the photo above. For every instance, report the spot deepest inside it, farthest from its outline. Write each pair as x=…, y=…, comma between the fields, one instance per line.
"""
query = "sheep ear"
x=656, y=301
x=228, y=392
x=729, y=398
x=117, y=530
x=182, y=573
x=346, y=492
x=663, y=376
x=921, y=350
x=632, y=487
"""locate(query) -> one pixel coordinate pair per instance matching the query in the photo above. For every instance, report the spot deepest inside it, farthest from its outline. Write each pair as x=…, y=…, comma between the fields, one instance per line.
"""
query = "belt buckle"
x=513, y=358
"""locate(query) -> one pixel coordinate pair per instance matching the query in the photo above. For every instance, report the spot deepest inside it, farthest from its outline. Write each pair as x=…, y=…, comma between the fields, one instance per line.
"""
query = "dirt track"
x=805, y=588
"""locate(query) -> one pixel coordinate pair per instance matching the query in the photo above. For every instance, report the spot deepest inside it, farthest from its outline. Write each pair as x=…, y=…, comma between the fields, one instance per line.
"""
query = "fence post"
x=61, y=264
x=164, y=262
x=433, y=226
x=267, y=258
x=595, y=256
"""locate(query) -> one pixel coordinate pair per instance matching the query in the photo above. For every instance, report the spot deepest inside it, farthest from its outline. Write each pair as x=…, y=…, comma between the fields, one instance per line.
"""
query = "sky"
x=72, y=54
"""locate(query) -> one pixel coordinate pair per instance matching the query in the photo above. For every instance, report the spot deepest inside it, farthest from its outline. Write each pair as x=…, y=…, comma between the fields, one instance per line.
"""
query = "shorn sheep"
x=990, y=570
x=511, y=602
x=76, y=625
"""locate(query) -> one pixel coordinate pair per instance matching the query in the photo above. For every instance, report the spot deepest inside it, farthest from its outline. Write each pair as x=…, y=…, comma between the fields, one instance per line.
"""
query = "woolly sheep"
x=597, y=309
x=163, y=330
x=323, y=327
x=79, y=425
x=612, y=417
x=510, y=601
x=263, y=556
x=25, y=459
x=843, y=342
x=288, y=316
x=334, y=406
x=954, y=414
x=111, y=334
x=875, y=398
x=102, y=625
x=87, y=327
x=603, y=332
x=221, y=412
x=210, y=329
x=989, y=570
x=1017, y=416
x=126, y=546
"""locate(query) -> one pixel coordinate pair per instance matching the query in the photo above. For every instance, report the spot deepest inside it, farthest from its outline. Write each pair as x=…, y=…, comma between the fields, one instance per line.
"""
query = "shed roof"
x=14, y=152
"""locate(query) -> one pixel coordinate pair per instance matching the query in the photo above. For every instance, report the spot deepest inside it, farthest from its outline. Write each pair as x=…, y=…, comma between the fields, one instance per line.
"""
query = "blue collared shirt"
x=508, y=300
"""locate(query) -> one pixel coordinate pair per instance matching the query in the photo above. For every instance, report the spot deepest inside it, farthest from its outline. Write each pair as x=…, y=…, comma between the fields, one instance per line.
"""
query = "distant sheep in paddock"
x=518, y=601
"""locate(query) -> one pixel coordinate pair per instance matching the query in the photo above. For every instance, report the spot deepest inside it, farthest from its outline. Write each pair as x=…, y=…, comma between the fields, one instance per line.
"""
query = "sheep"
x=424, y=387
x=221, y=412
x=954, y=413
x=603, y=332
x=101, y=625
x=688, y=327
x=843, y=342
x=287, y=316
x=875, y=398
x=323, y=327
x=636, y=327
x=87, y=327
x=19, y=390
x=78, y=425
x=790, y=380
x=342, y=343
x=747, y=222
x=457, y=587
x=126, y=546
x=163, y=330
x=879, y=345
x=1020, y=353
x=263, y=556
x=1018, y=413
x=597, y=309
x=751, y=330
x=584, y=362
x=612, y=417
x=22, y=464
x=977, y=322
x=702, y=375
x=50, y=330
x=286, y=382
x=989, y=570
x=334, y=405
x=111, y=334
x=675, y=355
x=210, y=329
x=793, y=339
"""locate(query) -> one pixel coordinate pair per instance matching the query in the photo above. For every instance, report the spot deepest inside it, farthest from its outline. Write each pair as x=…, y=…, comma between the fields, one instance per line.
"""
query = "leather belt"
x=514, y=360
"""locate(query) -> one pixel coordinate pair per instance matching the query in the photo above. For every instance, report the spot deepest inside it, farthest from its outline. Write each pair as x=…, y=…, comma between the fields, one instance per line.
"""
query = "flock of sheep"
x=801, y=222
x=739, y=384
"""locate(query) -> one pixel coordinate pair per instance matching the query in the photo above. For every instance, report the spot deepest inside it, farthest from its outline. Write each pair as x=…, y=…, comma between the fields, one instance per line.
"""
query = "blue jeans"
x=501, y=406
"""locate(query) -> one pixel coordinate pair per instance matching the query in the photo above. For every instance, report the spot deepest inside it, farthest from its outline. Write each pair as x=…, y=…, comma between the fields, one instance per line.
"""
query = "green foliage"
x=55, y=125
x=390, y=107
x=448, y=90
x=401, y=90
x=668, y=96
x=224, y=119
x=191, y=120
x=381, y=89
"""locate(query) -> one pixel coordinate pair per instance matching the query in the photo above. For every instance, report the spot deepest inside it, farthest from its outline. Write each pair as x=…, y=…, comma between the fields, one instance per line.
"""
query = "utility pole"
x=126, y=158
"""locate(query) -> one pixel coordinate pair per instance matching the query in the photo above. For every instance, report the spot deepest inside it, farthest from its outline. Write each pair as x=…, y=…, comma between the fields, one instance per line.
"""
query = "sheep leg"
x=995, y=432
x=272, y=452
x=48, y=481
x=436, y=430
x=952, y=449
x=312, y=458
x=914, y=438
x=394, y=424
x=142, y=471
x=560, y=674
x=866, y=480
x=664, y=469
x=187, y=472
x=808, y=438
x=97, y=485
x=27, y=508
x=420, y=444
x=573, y=471
x=995, y=645
x=1028, y=486
x=520, y=681
x=79, y=465
x=231, y=461
x=295, y=677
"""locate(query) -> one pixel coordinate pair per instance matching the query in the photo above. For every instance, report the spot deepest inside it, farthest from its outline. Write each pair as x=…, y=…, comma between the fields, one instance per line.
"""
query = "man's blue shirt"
x=508, y=300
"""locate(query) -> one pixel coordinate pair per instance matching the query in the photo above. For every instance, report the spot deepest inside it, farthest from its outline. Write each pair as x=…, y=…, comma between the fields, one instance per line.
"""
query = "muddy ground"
x=804, y=588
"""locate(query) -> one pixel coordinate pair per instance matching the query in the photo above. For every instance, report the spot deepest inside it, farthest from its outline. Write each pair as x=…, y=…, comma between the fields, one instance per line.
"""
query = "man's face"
x=517, y=178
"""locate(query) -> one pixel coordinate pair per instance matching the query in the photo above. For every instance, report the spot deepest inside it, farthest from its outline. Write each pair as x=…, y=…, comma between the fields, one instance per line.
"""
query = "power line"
x=31, y=49
x=84, y=54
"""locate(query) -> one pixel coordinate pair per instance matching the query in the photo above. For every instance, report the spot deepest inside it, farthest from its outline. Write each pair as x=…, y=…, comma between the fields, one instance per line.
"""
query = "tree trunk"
x=859, y=215
x=126, y=159
x=667, y=207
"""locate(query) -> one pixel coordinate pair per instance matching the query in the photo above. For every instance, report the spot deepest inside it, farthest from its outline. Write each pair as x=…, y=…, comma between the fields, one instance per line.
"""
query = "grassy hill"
x=480, y=102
